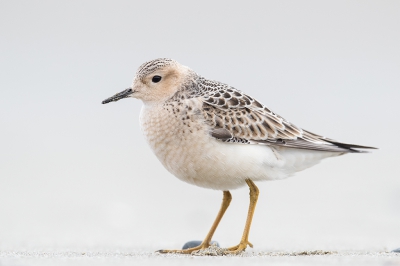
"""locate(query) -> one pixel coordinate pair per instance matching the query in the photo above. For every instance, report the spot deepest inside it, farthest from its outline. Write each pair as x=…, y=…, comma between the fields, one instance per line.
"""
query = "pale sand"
x=306, y=257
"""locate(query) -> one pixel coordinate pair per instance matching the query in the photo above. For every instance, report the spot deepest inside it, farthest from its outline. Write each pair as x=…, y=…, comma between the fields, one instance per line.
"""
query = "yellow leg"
x=206, y=242
x=245, y=238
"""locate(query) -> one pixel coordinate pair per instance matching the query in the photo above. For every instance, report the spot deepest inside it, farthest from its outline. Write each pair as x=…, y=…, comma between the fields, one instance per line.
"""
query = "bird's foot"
x=239, y=248
x=184, y=251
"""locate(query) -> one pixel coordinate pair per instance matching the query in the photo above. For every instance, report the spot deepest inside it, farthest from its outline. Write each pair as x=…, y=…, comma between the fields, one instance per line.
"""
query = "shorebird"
x=215, y=136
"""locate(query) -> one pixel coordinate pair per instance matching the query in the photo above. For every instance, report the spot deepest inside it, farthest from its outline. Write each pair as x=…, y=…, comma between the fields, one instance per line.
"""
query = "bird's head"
x=155, y=81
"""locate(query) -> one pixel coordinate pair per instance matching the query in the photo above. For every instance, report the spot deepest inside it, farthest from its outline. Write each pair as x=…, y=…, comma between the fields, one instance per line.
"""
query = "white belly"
x=191, y=154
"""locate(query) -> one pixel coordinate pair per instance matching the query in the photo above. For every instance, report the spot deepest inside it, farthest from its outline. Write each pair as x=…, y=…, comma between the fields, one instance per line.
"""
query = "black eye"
x=156, y=79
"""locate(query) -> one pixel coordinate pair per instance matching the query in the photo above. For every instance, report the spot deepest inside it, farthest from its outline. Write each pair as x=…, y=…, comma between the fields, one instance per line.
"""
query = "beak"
x=123, y=94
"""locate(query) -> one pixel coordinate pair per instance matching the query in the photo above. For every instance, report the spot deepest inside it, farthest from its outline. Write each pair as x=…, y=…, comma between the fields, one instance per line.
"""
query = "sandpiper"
x=212, y=135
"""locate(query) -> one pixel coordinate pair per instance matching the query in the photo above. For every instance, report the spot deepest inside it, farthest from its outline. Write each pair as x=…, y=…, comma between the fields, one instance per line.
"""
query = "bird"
x=212, y=135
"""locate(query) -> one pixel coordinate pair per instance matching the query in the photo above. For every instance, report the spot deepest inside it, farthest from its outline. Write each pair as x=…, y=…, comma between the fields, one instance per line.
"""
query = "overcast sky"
x=75, y=172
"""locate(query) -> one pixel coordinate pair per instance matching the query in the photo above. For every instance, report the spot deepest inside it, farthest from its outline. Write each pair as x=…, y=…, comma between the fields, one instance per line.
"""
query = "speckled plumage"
x=153, y=65
x=212, y=135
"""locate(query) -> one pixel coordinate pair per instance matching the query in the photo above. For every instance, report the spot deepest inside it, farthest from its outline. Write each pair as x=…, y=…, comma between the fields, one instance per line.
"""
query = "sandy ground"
x=254, y=257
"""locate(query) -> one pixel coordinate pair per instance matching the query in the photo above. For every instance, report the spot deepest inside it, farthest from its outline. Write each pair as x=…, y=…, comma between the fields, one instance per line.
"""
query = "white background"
x=78, y=174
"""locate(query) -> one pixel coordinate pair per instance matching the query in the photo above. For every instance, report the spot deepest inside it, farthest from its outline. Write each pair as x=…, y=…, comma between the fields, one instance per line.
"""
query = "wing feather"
x=229, y=111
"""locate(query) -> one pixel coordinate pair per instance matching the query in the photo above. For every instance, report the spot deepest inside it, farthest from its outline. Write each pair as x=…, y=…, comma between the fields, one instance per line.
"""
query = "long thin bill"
x=118, y=96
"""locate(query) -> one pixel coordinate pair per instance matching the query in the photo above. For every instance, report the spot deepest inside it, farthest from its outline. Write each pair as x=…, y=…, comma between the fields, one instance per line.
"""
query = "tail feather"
x=352, y=147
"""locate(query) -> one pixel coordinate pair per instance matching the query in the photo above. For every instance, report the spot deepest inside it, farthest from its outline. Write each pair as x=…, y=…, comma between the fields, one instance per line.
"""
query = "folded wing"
x=236, y=117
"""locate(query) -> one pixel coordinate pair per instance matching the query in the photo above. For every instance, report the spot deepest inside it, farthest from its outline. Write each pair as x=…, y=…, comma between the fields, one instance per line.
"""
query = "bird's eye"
x=156, y=79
